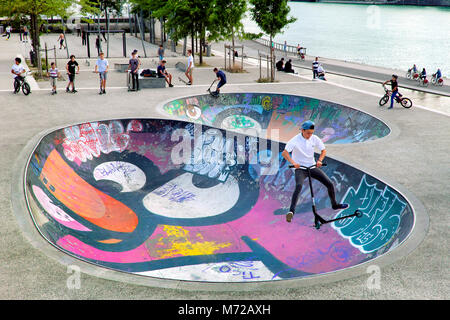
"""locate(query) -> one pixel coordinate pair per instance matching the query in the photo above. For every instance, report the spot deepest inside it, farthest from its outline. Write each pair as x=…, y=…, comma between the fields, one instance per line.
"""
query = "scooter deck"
x=318, y=220
x=182, y=80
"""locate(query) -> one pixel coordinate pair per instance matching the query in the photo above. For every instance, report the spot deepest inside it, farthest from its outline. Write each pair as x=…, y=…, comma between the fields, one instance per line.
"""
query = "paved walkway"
x=348, y=69
x=414, y=156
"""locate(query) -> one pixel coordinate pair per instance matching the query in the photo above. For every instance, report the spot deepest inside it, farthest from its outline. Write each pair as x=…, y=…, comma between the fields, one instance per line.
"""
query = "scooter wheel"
x=358, y=213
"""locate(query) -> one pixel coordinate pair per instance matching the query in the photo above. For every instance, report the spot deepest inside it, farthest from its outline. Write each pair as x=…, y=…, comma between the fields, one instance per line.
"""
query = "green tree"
x=34, y=9
x=271, y=16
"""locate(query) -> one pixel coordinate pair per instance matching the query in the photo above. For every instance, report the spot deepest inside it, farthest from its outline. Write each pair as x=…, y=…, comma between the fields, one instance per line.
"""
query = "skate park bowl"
x=124, y=200
x=277, y=116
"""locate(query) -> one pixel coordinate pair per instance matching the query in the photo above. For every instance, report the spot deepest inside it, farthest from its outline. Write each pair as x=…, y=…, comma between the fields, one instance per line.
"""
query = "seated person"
x=162, y=73
x=321, y=72
x=279, y=65
x=288, y=67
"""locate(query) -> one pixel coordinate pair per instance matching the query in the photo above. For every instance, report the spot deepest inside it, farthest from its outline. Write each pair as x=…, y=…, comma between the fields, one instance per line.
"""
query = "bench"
x=121, y=67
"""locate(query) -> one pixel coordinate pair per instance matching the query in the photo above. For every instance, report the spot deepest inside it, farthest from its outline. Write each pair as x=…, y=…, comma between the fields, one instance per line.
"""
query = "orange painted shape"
x=110, y=241
x=83, y=199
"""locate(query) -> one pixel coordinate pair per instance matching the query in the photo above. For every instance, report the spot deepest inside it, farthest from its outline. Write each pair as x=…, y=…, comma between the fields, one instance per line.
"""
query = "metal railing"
x=288, y=49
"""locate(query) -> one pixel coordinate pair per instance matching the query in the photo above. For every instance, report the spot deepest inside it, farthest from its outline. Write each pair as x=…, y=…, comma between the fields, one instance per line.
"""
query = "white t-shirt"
x=17, y=68
x=8, y=29
x=303, y=149
x=190, y=60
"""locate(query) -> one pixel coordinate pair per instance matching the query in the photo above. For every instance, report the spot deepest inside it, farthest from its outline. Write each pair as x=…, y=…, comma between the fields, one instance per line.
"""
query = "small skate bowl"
x=277, y=116
x=112, y=198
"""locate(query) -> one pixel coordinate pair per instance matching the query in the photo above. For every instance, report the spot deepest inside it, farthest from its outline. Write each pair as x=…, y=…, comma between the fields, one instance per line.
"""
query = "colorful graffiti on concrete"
x=110, y=193
x=256, y=112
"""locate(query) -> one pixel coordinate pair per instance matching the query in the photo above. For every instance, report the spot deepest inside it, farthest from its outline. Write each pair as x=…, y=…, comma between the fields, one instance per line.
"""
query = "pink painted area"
x=76, y=246
x=56, y=212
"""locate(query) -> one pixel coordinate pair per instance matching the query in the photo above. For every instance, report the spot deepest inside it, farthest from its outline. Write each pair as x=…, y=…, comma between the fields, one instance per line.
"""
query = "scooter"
x=318, y=220
x=214, y=94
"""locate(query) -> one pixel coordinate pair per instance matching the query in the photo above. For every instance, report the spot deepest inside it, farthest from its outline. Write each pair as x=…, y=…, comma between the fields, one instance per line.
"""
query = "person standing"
x=72, y=68
x=101, y=67
x=315, y=67
x=161, y=53
x=302, y=149
x=53, y=74
x=190, y=67
x=25, y=34
x=83, y=37
x=133, y=67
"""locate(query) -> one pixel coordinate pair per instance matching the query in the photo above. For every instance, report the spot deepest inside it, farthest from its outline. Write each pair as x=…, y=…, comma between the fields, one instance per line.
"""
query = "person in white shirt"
x=17, y=70
x=190, y=67
x=8, y=32
x=302, y=148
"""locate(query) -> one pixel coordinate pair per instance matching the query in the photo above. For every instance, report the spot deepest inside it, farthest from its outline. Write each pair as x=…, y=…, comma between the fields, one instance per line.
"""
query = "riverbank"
x=443, y=3
x=343, y=68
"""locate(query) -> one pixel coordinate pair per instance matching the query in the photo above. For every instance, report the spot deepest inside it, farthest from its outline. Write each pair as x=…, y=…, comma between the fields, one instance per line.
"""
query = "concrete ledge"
x=121, y=67
x=151, y=82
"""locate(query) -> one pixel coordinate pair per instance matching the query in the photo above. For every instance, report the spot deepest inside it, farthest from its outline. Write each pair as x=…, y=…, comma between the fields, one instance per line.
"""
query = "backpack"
x=148, y=73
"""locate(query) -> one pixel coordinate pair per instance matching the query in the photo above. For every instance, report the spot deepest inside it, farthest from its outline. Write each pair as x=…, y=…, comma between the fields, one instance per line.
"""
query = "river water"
x=393, y=37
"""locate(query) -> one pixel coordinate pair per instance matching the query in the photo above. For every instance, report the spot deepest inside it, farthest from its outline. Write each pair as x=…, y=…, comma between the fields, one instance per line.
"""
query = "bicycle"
x=404, y=101
x=423, y=82
x=439, y=82
x=21, y=83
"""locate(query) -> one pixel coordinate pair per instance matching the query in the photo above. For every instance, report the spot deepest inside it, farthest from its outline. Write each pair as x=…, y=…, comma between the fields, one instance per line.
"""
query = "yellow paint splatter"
x=179, y=243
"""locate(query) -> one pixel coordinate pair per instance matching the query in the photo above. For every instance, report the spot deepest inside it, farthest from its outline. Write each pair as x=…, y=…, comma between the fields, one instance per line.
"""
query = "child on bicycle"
x=394, y=86
x=17, y=70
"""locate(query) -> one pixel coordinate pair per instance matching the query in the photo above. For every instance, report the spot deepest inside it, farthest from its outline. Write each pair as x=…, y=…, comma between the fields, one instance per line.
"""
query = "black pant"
x=315, y=74
x=317, y=174
x=135, y=80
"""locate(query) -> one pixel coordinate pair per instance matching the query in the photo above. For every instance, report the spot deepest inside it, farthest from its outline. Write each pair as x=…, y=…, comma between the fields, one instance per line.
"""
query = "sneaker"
x=74, y=91
x=101, y=92
x=67, y=90
x=340, y=206
x=189, y=84
x=170, y=85
x=104, y=91
x=289, y=216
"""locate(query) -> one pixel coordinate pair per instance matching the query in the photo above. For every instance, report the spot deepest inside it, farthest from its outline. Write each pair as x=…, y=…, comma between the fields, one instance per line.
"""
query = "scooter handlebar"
x=311, y=167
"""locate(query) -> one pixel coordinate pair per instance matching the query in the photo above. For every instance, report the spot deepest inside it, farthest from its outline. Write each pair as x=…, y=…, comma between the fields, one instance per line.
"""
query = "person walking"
x=190, y=67
x=72, y=68
x=102, y=67
x=61, y=41
x=302, y=149
x=8, y=32
x=315, y=67
x=133, y=68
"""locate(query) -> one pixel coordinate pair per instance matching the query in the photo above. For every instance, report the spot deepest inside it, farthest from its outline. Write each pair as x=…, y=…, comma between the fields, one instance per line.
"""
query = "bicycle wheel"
x=26, y=89
x=16, y=86
x=406, y=103
x=384, y=100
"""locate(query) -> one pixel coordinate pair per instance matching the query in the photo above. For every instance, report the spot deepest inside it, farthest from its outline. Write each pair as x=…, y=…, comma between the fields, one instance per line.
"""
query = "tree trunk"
x=35, y=41
x=271, y=61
